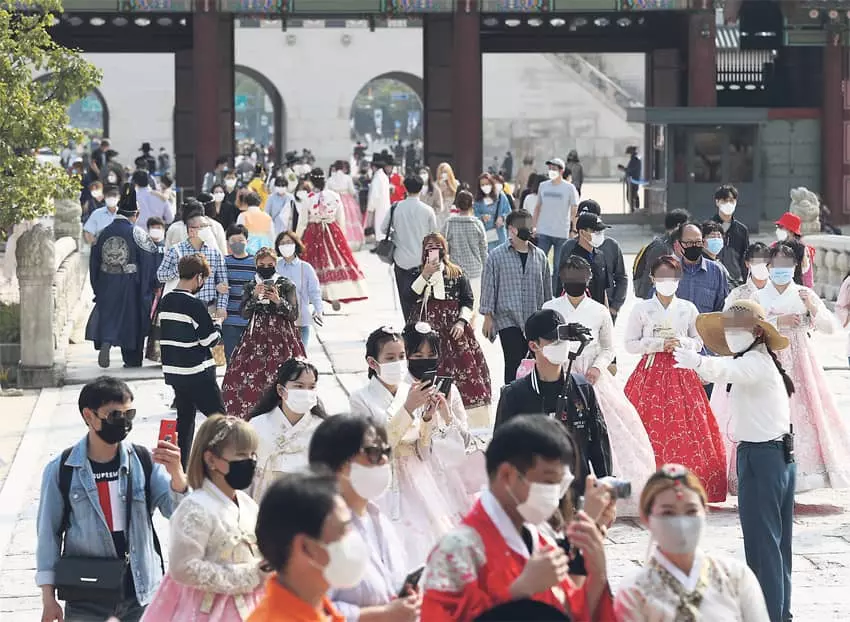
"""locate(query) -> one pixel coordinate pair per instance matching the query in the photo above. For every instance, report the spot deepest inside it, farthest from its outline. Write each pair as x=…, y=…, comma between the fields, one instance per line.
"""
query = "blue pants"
x=766, y=509
x=544, y=243
x=305, y=335
x=231, y=336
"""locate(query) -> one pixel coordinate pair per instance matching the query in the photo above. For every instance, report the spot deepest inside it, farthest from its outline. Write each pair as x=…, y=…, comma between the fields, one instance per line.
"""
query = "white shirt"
x=412, y=221
x=650, y=324
x=592, y=315
x=379, y=200
x=790, y=303
x=758, y=403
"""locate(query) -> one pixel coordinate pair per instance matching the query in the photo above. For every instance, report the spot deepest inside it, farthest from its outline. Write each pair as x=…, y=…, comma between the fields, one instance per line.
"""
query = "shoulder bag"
x=386, y=247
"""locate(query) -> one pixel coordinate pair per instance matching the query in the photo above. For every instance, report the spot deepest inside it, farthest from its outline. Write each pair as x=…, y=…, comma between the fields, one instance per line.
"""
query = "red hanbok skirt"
x=462, y=359
x=328, y=252
x=675, y=411
x=267, y=342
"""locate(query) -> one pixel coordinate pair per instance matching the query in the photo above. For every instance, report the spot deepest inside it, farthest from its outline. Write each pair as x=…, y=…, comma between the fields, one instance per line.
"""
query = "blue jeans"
x=126, y=611
x=231, y=336
x=544, y=243
x=766, y=509
x=305, y=335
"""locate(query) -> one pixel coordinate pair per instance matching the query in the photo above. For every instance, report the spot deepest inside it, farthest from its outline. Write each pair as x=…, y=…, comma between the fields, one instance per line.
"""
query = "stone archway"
x=258, y=105
x=89, y=114
x=387, y=108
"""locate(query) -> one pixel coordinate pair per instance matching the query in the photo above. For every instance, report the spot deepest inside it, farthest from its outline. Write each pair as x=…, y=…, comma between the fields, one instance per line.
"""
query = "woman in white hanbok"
x=681, y=582
x=342, y=183
x=285, y=418
x=427, y=434
x=633, y=458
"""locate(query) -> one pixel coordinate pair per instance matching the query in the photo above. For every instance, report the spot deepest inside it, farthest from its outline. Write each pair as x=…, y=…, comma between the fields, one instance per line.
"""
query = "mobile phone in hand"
x=429, y=377
x=167, y=430
x=433, y=255
x=444, y=384
x=411, y=581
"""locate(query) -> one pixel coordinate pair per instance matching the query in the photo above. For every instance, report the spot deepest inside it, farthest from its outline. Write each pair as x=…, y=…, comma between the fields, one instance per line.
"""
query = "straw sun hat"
x=744, y=313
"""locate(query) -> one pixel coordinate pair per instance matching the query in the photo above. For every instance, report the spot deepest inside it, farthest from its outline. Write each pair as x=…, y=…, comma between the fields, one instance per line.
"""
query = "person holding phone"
x=400, y=395
x=445, y=302
x=270, y=302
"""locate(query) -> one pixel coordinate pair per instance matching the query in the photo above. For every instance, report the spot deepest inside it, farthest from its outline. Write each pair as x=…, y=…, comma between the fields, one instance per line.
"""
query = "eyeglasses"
x=115, y=415
x=374, y=453
x=690, y=243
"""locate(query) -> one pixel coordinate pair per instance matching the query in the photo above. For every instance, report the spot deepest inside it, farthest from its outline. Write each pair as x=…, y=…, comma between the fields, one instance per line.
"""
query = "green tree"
x=34, y=112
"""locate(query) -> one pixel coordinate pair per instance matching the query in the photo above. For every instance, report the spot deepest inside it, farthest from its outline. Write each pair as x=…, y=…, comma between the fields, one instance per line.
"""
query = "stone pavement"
x=822, y=536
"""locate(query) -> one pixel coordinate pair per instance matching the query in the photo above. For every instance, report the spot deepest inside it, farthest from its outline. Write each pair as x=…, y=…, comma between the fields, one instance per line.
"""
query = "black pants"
x=132, y=358
x=514, y=349
x=194, y=393
x=403, y=280
x=82, y=611
x=633, y=191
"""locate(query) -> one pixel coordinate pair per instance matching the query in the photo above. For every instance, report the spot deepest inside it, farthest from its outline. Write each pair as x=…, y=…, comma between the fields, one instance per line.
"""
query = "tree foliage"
x=33, y=113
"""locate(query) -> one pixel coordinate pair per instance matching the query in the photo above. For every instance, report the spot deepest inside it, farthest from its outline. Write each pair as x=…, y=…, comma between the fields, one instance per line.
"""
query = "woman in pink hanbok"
x=426, y=432
x=821, y=433
x=341, y=183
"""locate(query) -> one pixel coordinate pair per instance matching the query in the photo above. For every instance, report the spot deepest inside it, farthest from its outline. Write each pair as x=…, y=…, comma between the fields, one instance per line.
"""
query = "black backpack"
x=66, y=472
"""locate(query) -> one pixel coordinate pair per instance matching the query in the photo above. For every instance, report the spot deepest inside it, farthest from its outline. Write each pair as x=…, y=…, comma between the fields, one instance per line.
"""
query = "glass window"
x=742, y=145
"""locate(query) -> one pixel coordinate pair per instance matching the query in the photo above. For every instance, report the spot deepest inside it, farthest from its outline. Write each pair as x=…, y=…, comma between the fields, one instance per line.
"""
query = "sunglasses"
x=114, y=416
x=374, y=453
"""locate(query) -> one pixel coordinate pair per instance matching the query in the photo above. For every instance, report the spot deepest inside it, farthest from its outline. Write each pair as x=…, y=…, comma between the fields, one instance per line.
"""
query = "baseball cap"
x=589, y=220
x=543, y=324
x=589, y=205
x=556, y=162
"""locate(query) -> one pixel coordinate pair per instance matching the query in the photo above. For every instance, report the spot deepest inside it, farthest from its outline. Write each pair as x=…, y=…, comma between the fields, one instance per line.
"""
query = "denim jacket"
x=88, y=534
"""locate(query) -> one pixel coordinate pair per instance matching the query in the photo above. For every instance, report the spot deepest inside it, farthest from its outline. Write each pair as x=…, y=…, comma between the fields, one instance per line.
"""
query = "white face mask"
x=554, y=174
x=111, y=201
x=557, y=353
x=301, y=195
x=486, y=189
x=286, y=250
x=348, y=558
x=677, y=535
x=280, y=190
x=393, y=373
x=301, y=400
x=667, y=288
x=424, y=178
x=111, y=179
x=218, y=197
x=597, y=238
x=760, y=271
x=230, y=184
x=97, y=195
x=444, y=177
x=727, y=209
x=541, y=503
x=370, y=482
x=738, y=340
x=781, y=235
x=156, y=234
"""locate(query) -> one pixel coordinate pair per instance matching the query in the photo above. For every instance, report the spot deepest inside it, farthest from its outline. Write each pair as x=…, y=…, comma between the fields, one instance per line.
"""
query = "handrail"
x=600, y=80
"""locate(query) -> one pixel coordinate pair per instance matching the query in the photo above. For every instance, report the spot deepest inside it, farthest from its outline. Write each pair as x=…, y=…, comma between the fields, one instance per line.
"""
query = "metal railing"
x=606, y=90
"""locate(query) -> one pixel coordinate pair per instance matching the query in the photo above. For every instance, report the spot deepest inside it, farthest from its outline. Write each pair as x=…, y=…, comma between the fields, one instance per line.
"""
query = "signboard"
x=420, y=6
x=336, y=7
x=514, y=6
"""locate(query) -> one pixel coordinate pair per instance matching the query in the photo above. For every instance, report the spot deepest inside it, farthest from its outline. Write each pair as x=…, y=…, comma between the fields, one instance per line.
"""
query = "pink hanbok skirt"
x=175, y=601
x=353, y=222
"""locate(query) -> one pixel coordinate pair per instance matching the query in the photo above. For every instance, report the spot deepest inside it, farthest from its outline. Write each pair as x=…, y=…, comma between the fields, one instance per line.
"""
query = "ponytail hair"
x=127, y=204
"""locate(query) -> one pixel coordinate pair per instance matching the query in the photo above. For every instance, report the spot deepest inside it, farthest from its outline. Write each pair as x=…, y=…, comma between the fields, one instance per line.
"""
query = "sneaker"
x=103, y=356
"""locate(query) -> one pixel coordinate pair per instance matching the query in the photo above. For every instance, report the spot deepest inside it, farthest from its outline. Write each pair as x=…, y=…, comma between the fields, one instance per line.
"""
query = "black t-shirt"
x=113, y=506
x=523, y=257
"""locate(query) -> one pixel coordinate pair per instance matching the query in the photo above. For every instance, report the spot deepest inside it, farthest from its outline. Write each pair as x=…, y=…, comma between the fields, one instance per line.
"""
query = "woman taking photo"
x=445, y=302
x=285, y=418
x=432, y=196
x=681, y=581
x=270, y=302
x=303, y=276
x=492, y=209
x=670, y=401
x=447, y=185
x=356, y=450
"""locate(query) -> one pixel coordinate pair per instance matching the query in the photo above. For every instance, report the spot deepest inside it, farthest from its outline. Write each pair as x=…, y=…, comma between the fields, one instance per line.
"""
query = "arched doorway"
x=258, y=110
x=388, y=109
x=89, y=114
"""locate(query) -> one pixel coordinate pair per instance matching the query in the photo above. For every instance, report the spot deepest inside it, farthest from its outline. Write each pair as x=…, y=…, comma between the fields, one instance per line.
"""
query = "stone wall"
x=68, y=283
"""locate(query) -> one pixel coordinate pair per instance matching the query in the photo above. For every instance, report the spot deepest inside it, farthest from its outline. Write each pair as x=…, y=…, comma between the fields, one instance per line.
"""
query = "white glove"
x=686, y=359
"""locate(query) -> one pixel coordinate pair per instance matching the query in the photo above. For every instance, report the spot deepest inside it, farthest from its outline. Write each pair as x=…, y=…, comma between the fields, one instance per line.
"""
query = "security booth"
x=692, y=151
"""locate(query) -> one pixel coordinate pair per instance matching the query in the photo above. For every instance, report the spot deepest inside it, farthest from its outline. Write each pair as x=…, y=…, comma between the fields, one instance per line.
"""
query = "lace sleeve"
x=192, y=528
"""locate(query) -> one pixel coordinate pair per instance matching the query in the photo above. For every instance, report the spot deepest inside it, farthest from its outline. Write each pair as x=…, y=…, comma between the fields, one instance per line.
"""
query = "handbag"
x=385, y=250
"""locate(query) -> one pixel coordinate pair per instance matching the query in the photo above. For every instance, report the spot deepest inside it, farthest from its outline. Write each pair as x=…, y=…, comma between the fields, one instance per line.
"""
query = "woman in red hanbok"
x=341, y=183
x=326, y=248
x=671, y=401
x=445, y=301
x=271, y=338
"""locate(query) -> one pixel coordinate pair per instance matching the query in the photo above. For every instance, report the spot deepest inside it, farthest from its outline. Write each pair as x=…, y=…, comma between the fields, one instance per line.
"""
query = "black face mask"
x=575, y=288
x=241, y=473
x=693, y=253
x=199, y=288
x=113, y=432
x=419, y=367
x=523, y=233
x=266, y=272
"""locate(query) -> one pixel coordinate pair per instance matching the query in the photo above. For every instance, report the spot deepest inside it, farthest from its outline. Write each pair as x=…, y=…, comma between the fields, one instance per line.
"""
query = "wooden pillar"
x=835, y=127
x=702, y=63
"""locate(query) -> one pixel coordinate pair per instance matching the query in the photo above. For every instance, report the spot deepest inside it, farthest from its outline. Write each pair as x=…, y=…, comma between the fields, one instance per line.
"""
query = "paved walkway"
x=822, y=536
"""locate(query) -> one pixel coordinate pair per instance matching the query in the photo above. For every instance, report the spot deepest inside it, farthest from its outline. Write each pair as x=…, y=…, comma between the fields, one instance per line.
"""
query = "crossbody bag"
x=385, y=250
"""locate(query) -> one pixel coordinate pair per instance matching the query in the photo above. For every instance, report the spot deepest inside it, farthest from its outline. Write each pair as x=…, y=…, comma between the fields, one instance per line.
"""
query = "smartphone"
x=429, y=377
x=167, y=430
x=268, y=283
x=444, y=384
x=433, y=255
x=412, y=580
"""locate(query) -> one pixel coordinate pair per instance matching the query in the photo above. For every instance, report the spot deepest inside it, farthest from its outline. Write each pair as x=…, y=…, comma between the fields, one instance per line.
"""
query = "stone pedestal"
x=67, y=221
x=35, y=254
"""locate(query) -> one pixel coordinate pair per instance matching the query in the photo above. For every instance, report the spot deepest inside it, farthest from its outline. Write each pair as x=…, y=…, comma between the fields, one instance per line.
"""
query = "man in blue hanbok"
x=123, y=277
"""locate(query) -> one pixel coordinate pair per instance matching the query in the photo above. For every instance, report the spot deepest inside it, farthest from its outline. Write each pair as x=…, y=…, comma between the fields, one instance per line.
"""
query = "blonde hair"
x=446, y=168
x=662, y=480
x=217, y=433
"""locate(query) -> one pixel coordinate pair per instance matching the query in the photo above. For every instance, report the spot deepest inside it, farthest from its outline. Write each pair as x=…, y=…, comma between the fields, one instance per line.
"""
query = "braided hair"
x=786, y=379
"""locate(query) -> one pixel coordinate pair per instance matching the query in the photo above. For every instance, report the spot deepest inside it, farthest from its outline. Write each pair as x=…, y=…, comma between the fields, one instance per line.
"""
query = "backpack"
x=66, y=472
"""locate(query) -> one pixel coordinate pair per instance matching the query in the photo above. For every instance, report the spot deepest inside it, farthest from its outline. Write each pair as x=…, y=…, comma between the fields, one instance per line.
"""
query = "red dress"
x=398, y=192
x=675, y=411
x=327, y=250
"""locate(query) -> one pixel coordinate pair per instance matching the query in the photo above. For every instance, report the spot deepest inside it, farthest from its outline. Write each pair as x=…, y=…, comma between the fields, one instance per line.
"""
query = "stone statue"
x=68, y=219
x=806, y=205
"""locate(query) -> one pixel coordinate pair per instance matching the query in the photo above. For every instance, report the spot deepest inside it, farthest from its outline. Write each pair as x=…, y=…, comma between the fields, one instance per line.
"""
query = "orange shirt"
x=281, y=605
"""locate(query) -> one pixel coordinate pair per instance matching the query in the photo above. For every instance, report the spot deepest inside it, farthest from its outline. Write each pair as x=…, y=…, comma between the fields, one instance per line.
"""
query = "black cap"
x=590, y=221
x=589, y=205
x=543, y=324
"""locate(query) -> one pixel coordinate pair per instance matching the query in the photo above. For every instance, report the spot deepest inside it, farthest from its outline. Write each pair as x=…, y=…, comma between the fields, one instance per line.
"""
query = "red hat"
x=791, y=222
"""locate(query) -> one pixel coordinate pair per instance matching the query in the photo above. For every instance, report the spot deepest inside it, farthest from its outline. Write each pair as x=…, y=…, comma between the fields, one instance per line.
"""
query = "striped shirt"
x=239, y=272
x=188, y=333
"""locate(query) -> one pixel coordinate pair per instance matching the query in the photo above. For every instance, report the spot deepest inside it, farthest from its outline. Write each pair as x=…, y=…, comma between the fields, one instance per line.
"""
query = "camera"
x=574, y=332
x=620, y=488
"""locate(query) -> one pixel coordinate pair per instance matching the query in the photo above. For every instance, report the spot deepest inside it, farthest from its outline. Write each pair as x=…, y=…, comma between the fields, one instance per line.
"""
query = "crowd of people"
x=400, y=509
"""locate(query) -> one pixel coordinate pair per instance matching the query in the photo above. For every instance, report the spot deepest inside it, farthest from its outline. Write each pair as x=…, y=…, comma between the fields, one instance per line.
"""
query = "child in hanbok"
x=341, y=183
x=670, y=401
x=681, y=581
x=427, y=434
x=214, y=570
x=285, y=418
x=326, y=248
x=821, y=432
x=633, y=458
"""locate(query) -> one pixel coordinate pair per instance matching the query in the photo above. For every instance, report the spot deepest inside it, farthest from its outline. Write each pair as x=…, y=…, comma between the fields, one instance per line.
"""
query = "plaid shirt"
x=467, y=244
x=510, y=293
x=218, y=273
